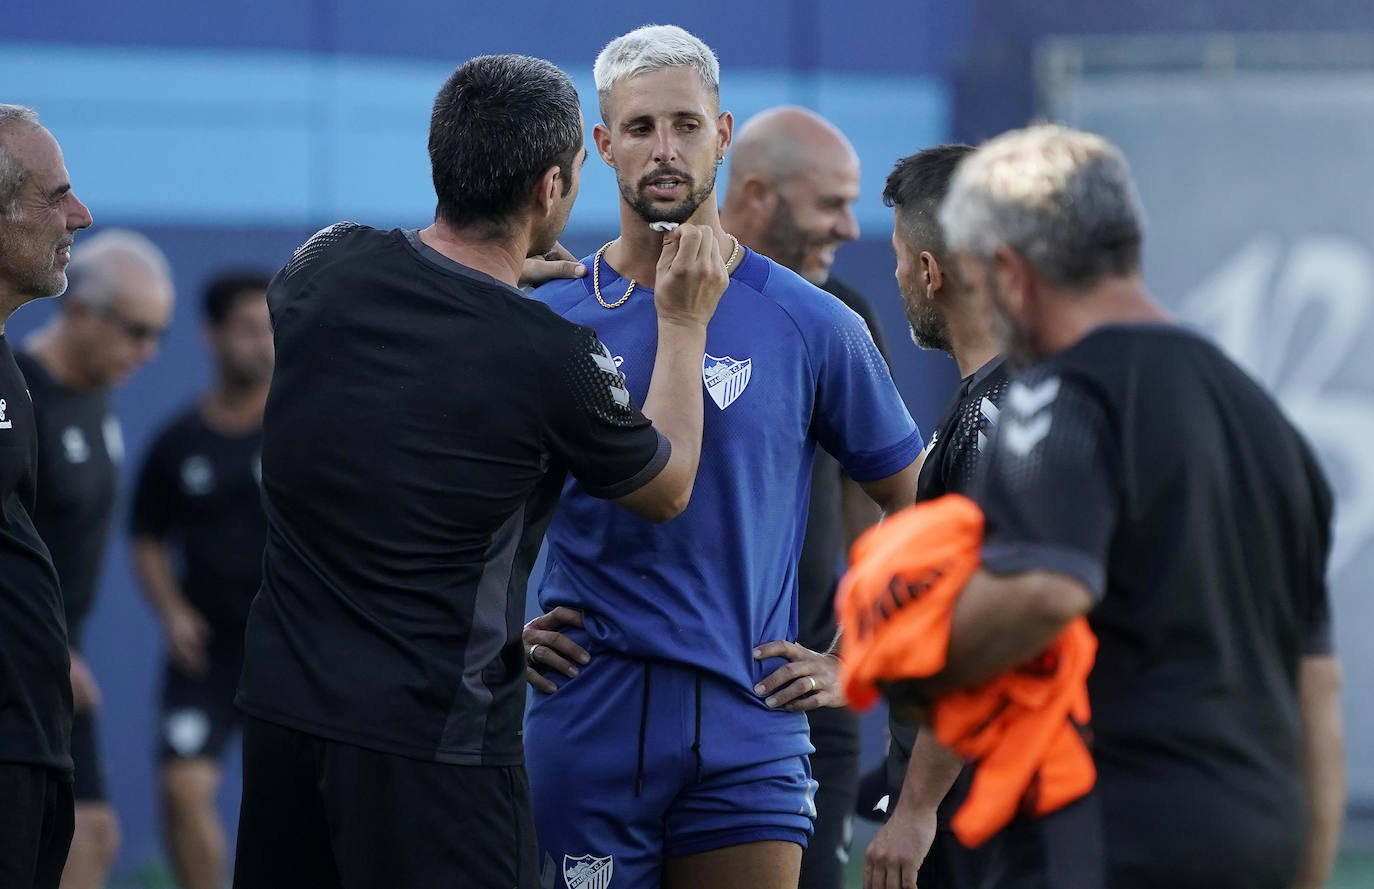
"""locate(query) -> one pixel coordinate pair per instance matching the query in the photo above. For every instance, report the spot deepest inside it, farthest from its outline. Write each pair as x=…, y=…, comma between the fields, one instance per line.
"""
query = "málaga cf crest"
x=725, y=378
x=587, y=872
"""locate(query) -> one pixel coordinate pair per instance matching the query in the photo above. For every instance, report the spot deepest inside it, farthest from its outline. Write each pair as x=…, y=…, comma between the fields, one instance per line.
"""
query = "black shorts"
x=36, y=821
x=90, y=773
x=196, y=716
x=835, y=769
x=326, y=814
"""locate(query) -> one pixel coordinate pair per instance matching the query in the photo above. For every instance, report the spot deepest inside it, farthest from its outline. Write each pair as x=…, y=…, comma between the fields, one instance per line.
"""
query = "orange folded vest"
x=1025, y=728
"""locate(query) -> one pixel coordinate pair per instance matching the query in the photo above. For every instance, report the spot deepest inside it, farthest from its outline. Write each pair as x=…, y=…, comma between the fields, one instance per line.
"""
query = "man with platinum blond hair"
x=667, y=741
x=1138, y=477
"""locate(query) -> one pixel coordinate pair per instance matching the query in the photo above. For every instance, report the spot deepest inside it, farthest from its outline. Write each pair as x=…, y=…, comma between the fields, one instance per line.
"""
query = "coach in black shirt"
x=421, y=420
x=107, y=324
x=39, y=217
x=1139, y=477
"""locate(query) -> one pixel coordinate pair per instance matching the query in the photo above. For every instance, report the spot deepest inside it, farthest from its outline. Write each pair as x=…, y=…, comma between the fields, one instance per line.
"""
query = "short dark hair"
x=916, y=187
x=498, y=123
x=227, y=288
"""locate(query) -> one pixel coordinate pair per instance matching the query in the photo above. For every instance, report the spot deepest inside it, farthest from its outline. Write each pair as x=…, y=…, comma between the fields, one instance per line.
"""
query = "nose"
x=80, y=217
x=848, y=226
x=663, y=151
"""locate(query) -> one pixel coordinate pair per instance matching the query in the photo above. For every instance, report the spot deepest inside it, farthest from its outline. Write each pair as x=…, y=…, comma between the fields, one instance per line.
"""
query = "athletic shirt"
x=80, y=448
x=1147, y=465
x=957, y=446
x=787, y=367
x=823, y=547
x=198, y=491
x=421, y=420
x=35, y=682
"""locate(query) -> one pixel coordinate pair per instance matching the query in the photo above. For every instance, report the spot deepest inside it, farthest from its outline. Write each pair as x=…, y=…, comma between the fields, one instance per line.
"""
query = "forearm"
x=153, y=565
x=930, y=774
x=1323, y=765
x=1000, y=622
x=674, y=401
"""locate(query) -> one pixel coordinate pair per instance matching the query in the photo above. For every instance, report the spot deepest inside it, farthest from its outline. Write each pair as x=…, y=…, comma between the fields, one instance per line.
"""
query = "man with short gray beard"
x=39, y=216
x=1138, y=477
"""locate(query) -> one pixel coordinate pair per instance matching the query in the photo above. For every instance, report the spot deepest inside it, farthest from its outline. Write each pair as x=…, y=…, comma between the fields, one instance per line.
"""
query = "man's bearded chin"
x=636, y=196
x=929, y=330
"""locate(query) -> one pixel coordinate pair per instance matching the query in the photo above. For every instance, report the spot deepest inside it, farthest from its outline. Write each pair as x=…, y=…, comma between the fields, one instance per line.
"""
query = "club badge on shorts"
x=725, y=378
x=587, y=871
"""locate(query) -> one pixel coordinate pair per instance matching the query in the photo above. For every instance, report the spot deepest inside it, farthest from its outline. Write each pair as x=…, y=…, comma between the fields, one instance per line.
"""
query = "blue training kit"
x=660, y=747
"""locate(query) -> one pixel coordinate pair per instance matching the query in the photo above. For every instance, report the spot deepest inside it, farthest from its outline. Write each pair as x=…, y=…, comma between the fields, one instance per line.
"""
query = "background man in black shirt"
x=39, y=218
x=422, y=418
x=947, y=315
x=198, y=507
x=108, y=323
x=1139, y=477
x=793, y=182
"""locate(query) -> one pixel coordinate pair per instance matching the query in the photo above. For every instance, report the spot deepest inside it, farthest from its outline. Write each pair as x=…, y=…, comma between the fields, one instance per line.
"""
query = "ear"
x=547, y=191
x=932, y=276
x=758, y=193
x=725, y=133
x=601, y=135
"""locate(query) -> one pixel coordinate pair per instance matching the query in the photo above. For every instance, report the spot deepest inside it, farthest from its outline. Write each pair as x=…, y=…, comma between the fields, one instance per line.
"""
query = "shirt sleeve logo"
x=725, y=378
x=5, y=422
x=611, y=368
x=1030, y=419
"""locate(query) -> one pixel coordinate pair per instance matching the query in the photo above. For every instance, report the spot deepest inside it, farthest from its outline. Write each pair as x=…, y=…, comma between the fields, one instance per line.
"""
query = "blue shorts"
x=632, y=762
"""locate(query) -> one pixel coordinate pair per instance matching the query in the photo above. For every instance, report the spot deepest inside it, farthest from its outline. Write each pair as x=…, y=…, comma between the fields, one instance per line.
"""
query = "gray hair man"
x=39, y=218
x=108, y=322
x=1139, y=477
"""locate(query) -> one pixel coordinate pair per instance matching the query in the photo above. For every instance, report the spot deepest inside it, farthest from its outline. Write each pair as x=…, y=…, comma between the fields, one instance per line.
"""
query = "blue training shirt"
x=787, y=367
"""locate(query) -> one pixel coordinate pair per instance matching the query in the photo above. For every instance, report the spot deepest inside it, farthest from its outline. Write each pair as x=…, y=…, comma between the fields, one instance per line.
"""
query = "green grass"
x=1354, y=870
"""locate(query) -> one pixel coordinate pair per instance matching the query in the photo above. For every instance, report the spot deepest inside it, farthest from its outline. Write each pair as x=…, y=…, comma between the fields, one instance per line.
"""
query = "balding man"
x=39, y=218
x=793, y=182
x=108, y=323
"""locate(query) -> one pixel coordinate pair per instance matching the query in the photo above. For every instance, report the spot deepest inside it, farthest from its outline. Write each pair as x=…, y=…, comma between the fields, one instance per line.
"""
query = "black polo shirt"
x=421, y=421
x=198, y=493
x=35, y=685
x=80, y=447
x=1149, y=466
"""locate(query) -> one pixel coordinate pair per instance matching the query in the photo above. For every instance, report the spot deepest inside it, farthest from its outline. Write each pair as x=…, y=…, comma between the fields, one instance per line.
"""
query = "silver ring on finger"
x=529, y=657
x=813, y=682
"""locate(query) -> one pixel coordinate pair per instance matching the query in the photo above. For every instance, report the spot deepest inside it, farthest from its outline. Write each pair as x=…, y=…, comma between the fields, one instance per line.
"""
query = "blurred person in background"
x=916, y=845
x=792, y=185
x=198, y=531
x=690, y=690
x=39, y=218
x=110, y=320
x=1139, y=477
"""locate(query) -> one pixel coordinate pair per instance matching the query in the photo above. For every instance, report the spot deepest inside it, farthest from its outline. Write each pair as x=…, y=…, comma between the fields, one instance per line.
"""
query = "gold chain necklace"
x=596, y=274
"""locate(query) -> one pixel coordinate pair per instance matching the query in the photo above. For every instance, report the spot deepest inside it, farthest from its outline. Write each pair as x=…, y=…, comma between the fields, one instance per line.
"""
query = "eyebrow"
x=648, y=118
x=60, y=191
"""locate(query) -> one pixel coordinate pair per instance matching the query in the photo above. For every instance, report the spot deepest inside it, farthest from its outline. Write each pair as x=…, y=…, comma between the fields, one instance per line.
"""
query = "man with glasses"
x=107, y=324
x=198, y=507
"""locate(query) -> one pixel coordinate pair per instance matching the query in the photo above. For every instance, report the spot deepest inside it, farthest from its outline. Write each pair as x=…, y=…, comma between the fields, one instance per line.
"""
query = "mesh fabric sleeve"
x=1048, y=488
x=859, y=416
x=594, y=427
